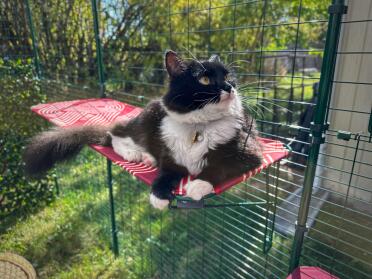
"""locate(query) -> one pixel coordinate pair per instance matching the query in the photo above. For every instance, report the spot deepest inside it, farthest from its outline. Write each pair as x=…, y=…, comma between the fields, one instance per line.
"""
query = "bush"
x=19, y=90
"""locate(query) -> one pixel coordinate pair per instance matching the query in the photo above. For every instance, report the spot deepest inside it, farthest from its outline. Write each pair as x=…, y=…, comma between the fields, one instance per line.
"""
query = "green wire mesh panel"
x=65, y=47
x=340, y=240
x=201, y=243
x=85, y=177
x=14, y=31
x=275, y=48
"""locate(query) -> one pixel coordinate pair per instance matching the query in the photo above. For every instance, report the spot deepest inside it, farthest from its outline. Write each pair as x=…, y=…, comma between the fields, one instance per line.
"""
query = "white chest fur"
x=179, y=138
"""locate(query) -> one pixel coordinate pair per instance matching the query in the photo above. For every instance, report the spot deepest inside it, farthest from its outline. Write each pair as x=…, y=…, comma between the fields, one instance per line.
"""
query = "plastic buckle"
x=344, y=135
x=337, y=9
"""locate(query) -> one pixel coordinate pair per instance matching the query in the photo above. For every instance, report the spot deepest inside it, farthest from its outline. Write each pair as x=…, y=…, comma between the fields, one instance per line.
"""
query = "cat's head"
x=199, y=91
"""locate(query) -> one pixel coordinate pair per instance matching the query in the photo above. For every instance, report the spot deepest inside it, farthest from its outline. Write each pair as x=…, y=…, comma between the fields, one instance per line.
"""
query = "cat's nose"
x=227, y=87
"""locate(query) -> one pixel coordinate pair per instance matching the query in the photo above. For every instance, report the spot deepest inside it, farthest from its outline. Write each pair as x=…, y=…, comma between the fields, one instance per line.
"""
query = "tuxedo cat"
x=198, y=127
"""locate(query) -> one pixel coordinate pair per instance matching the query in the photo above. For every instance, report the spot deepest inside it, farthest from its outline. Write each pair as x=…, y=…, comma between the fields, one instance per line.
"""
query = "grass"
x=62, y=241
x=70, y=238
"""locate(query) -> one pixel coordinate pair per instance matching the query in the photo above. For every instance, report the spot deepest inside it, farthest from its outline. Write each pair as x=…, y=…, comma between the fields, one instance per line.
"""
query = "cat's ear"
x=214, y=58
x=174, y=64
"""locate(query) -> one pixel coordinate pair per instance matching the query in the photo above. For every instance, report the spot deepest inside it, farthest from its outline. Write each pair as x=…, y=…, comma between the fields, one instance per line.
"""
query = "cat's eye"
x=227, y=77
x=204, y=80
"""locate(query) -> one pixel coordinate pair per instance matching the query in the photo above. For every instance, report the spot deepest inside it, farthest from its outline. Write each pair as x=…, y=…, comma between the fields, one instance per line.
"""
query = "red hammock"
x=310, y=272
x=104, y=111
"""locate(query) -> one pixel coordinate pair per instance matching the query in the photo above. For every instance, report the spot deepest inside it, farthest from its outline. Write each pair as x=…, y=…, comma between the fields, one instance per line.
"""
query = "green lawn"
x=70, y=237
x=64, y=241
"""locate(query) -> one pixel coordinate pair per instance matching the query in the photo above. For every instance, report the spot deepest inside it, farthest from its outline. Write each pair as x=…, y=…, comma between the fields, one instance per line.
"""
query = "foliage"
x=19, y=90
x=14, y=36
x=135, y=33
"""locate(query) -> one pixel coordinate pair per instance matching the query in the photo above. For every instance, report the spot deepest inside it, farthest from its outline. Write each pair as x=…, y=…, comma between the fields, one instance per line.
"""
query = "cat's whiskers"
x=175, y=97
x=238, y=61
x=253, y=107
x=201, y=92
x=202, y=100
x=193, y=56
x=276, y=105
x=258, y=82
x=252, y=92
x=203, y=104
x=265, y=108
x=252, y=87
x=207, y=102
x=248, y=98
x=255, y=112
x=237, y=66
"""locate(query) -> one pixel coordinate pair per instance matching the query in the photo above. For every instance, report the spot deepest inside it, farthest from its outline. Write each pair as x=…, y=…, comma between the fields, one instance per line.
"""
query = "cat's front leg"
x=126, y=148
x=162, y=187
x=130, y=151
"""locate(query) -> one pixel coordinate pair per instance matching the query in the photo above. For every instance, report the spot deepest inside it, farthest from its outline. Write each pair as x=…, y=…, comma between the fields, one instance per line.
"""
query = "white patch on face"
x=229, y=105
x=216, y=125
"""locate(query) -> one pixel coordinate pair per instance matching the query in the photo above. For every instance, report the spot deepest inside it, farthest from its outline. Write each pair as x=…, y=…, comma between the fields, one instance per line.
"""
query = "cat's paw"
x=198, y=188
x=158, y=203
x=126, y=148
x=148, y=159
x=132, y=155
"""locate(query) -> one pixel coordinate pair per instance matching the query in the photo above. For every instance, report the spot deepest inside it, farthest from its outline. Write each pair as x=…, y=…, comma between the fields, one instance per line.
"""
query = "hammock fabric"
x=104, y=111
x=310, y=272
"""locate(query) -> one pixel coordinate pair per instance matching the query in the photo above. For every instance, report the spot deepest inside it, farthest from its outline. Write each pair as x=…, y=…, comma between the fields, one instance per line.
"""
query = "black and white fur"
x=198, y=127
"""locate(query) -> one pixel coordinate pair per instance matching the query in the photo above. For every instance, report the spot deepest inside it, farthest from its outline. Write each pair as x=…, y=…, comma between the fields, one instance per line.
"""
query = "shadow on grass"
x=60, y=250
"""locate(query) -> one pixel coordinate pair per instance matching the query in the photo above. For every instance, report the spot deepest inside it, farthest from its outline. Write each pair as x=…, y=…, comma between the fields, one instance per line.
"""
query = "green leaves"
x=19, y=91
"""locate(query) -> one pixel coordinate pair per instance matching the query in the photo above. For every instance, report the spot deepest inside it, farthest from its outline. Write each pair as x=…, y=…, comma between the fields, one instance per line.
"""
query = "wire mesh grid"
x=14, y=31
x=275, y=48
x=341, y=239
x=199, y=243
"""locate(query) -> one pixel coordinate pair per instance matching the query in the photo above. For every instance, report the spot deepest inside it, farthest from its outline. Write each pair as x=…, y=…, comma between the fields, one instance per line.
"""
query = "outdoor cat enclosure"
x=322, y=195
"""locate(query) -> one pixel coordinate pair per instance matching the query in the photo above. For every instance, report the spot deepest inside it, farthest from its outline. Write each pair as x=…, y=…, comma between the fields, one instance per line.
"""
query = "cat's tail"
x=50, y=147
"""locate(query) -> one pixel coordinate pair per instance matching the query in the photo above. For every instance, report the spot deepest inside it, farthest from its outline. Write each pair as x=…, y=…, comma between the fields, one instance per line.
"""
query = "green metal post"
x=33, y=39
x=115, y=245
x=319, y=126
x=56, y=184
x=101, y=79
x=101, y=76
